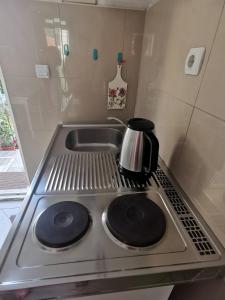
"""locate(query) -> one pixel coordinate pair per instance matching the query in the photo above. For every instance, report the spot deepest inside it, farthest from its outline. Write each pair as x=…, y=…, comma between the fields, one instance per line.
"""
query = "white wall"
x=34, y=32
x=188, y=111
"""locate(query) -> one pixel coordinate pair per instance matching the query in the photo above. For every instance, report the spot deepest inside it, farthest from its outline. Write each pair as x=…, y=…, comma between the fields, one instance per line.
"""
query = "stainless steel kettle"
x=140, y=149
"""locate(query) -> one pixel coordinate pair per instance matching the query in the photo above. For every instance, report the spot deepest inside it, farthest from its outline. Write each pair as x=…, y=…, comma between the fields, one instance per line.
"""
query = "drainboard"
x=87, y=171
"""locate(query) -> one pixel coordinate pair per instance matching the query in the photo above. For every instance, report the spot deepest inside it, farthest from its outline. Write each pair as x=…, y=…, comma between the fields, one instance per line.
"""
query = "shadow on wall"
x=198, y=169
x=155, y=46
x=69, y=103
x=175, y=157
x=183, y=166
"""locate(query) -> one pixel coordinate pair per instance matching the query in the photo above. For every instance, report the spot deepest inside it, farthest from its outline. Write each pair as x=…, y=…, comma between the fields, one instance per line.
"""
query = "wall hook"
x=120, y=57
x=95, y=54
x=66, y=50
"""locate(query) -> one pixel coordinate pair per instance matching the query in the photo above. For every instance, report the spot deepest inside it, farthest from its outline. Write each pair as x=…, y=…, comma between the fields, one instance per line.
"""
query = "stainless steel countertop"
x=178, y=257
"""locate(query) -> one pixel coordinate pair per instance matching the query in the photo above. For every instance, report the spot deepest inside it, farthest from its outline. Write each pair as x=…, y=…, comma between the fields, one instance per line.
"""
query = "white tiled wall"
x=34, y=32
x=188, y=110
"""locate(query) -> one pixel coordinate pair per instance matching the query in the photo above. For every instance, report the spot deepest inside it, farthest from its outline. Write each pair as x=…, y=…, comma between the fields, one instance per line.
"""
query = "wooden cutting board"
x=117, y=91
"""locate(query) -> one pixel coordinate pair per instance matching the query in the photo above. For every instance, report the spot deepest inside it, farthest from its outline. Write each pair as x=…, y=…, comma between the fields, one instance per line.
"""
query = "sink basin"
x=94, y=140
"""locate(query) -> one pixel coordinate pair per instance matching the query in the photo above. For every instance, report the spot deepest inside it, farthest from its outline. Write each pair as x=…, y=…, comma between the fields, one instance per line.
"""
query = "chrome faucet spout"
x=117, y=120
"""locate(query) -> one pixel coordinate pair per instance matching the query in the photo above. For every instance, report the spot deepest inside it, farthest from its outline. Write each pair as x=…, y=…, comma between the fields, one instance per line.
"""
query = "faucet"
x=117, y=120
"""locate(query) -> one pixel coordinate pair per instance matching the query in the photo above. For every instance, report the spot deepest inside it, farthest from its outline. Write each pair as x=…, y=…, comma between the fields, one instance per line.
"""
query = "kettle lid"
x=140, y=124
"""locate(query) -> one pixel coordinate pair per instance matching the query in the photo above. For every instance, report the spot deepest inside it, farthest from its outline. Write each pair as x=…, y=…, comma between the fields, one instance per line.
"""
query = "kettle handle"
x=154, y=151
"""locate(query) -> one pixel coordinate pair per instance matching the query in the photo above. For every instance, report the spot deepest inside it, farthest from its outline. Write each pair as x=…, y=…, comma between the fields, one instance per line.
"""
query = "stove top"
x=61, y=224
x=77, y=227
x=97, y=244
x=135, y=221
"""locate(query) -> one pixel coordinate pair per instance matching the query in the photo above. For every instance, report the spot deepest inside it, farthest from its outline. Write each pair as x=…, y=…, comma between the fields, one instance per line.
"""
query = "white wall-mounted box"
x=42, y=71
x=194, y=61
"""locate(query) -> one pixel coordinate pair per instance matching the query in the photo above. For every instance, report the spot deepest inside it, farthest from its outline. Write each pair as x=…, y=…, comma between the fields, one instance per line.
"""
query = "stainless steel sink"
x=188, y=252
x=94, y=140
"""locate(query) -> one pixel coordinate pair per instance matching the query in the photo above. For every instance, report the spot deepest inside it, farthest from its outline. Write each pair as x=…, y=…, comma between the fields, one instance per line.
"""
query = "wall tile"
x=171, y=118
x=17, y=50
x=86, y=28
x=200, y=168
x=33, y=32
x=34, y=150
x=35, y=102
x=211, y=97
x=197, y=159
x=133, y=36
x=172, y=28
x=110, y=31
x=80, y=104
x=202, y=156
x=30, y=33
x=47, y=32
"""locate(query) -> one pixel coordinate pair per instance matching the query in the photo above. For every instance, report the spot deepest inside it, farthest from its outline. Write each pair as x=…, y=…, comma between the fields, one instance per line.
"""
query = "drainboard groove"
x=109, y=172
x=69, y=183
x=74, y=170
x=98, y=172
x=105, y=171
x=94, y=172
x=52, y=175
x=58, y=175
x=82, y=172
x=90, y=171
x=65, y=174
x=116, y=172
x=87, y=184
x=77, y=178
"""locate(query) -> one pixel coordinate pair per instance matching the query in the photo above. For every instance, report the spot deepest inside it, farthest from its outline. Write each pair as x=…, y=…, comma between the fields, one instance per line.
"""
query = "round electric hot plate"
x=136, y=220
x=62, y=224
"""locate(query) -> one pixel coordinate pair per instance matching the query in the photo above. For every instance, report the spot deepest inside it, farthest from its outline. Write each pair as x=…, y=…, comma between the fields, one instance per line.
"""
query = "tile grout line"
x=201, y=81
x=59, y=7
x=190, y=105
x=140, y=62
x=137, y=103
x=173, y=96
x=210, y=52
x=209, y=114
x=124, y=30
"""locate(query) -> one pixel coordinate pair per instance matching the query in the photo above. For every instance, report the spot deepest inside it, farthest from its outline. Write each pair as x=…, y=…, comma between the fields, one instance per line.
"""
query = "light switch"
x=194, y=61
x=42, y=71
